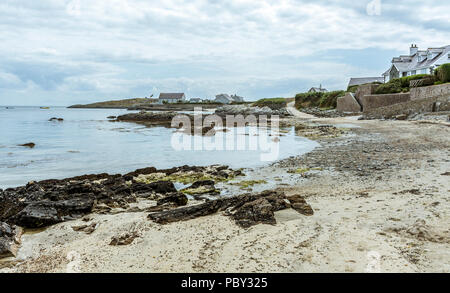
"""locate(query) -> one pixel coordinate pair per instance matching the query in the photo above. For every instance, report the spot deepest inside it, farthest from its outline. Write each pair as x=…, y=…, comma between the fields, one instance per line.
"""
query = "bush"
x=443, y=72
x=274, y=103
x=321, y=100
x=329, y=99
x=392, y=87
x=407, y=79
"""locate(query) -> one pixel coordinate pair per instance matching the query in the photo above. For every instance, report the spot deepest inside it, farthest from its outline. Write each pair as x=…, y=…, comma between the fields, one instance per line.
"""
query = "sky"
x=63, y=52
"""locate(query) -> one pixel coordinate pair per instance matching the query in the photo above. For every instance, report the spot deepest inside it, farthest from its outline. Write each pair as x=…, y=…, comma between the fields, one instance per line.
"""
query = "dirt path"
x=296, y=113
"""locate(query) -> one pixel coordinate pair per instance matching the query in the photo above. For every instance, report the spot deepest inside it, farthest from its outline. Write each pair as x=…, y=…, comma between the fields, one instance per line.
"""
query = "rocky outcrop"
x=9, y=240
x=249, y=110
x=48, y=202
x=28, y=145
x=247, y=209
x=201, y=187
x=56, y=119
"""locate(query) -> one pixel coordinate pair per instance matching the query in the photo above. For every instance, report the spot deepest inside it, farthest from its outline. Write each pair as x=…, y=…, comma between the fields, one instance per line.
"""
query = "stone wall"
x=370, y=102
x=441, y=103
x=364, y=90
x=420, y=93
x=348, y=103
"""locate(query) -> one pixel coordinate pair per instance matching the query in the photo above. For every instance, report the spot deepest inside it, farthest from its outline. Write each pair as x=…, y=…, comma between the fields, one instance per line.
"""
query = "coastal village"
x=373, y=196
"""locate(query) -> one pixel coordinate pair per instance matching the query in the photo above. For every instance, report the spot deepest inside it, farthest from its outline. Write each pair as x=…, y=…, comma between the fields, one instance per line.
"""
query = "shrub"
x=407, y=79
x=321, y=100
x=274, y=103
x=392, y=87
x=443, y=72
x=329, y=99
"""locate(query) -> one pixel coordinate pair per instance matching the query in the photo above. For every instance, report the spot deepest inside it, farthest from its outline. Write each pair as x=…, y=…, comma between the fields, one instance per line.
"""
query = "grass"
x=326, y=100
x=271, y=103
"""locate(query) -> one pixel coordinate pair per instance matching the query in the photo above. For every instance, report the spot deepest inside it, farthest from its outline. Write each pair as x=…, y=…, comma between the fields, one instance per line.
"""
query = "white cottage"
x=418, y=62
x=171, y=98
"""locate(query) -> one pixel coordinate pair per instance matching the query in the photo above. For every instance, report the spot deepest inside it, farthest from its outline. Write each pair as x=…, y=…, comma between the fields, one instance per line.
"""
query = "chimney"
x=413, y=50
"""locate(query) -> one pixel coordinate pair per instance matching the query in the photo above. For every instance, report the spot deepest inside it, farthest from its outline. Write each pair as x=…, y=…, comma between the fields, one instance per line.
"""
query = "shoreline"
x=378, y=188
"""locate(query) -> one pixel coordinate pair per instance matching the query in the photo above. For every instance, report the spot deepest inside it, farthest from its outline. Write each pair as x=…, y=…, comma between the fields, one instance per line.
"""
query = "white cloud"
x=108, y=46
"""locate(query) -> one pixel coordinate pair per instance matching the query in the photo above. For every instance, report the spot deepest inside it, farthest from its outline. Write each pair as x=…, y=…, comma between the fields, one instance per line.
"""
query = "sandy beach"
x=380, y=195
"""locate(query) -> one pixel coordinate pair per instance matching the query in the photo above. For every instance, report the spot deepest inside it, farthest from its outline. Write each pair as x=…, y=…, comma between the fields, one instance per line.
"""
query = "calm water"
x=86, y=142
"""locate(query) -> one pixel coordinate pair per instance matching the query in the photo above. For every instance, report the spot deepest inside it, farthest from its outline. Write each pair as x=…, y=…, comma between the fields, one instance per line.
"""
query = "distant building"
x=417, y=62
x=237, y=99
x=317, y=90
x=223, y=99
x=364, y=80
x=227, y=99
x=195, y=100
x=171, y=98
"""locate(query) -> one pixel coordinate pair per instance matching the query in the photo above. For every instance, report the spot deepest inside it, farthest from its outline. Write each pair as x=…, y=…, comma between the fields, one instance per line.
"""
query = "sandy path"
x=296, y=113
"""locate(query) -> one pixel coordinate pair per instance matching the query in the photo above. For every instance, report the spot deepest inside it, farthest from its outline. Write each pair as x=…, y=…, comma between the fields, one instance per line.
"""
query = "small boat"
x=45, y=108
x=9, y=107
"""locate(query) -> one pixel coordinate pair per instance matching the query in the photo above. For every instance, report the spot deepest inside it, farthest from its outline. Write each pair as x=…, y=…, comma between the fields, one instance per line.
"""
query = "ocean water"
x=86, y=143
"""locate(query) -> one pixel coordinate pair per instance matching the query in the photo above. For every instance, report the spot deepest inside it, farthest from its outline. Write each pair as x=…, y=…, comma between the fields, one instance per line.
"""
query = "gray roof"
x=169, y=96
x=364, y=80
x=410, y=63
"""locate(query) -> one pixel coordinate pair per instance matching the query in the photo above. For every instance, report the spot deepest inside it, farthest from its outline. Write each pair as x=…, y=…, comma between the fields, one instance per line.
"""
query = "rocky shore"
x=250, y=110
x=373, y=189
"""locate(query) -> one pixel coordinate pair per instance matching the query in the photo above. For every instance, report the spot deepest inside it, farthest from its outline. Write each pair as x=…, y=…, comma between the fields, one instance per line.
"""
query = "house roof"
x=171, y=96
x=410, y=63
x=318, y=89
x=364, y=80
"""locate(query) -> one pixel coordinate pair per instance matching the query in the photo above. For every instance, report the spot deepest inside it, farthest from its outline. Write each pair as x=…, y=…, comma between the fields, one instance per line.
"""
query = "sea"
x=87, y=142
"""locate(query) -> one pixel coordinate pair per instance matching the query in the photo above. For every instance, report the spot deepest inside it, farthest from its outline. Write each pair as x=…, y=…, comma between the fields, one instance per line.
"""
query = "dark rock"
x=177, y=198
x=9, y=240
x=255, y=212
x=299, y=204
x=28, y=145
x=126, y=239
x=246, y=210
x=161, y=187
x=56, y=119
x=46, y=213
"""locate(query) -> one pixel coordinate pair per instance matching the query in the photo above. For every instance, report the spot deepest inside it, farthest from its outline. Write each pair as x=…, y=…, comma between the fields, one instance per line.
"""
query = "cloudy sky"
x=62, y=52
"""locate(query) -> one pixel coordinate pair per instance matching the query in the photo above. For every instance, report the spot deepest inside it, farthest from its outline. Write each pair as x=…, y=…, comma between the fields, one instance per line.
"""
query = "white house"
x=418, y=62
x=171, y=98
x=318, y=90
x=227, y=99
x=223, y=99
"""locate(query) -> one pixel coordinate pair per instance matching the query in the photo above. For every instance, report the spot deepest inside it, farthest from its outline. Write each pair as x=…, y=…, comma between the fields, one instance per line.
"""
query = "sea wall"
x=348, y=103
x=434, y=104
x=370, y=102
x=420, y=93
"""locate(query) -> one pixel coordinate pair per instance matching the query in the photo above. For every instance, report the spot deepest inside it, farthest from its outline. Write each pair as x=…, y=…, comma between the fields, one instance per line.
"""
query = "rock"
x=46, y=213
x=246, y=210
x=249, y=110
x=125, y=239
x=201, y=187
x=28, y=145
x=9, y=240
x=56, y=119
x=88, y=229
x=299, y=204
x=177, y=198
x=161, y=187
x=255, y=212
x=401, y=117
x=111, y=117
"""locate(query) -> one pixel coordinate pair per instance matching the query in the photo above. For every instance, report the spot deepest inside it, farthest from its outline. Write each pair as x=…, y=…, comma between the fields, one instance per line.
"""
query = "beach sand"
x=380, y=199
